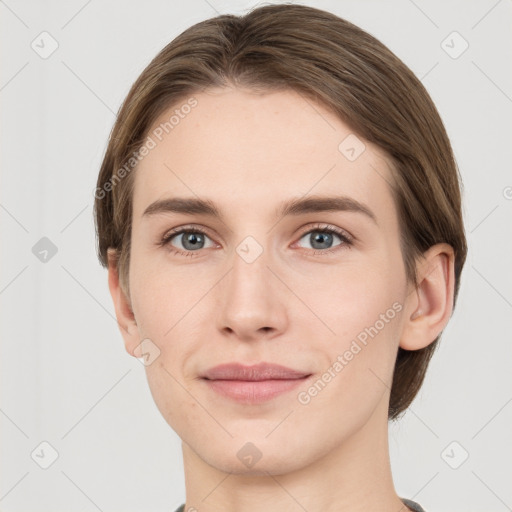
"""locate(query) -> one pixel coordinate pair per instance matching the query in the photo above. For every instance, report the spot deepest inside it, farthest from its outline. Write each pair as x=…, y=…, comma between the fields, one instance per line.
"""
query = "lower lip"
x=253, y=392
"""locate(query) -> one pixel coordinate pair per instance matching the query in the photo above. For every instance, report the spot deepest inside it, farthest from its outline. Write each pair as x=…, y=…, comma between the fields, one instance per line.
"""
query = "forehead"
x=250, y=149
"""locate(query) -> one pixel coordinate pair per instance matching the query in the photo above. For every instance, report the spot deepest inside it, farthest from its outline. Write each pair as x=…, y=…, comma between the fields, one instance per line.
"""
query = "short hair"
x=328, y=60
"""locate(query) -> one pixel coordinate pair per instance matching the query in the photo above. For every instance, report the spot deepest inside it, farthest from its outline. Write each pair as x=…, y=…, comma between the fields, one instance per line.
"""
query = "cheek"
x=164, y=297
x=358, y=361
x=357, y=296
x=171, y=399
x=364, y=311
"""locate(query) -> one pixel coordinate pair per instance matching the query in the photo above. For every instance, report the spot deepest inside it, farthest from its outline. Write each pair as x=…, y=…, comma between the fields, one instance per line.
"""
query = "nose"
x=252, y=301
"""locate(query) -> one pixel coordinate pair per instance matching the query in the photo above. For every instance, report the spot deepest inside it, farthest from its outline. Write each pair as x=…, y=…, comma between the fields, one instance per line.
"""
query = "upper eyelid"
x=171, y=233
x=319, y=226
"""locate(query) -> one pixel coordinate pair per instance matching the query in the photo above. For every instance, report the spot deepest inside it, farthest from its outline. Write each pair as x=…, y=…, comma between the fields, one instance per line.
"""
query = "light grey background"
x=65, y=377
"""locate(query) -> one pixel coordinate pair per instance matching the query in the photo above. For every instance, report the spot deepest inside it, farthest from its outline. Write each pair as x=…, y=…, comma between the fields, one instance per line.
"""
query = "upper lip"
x=257, y=372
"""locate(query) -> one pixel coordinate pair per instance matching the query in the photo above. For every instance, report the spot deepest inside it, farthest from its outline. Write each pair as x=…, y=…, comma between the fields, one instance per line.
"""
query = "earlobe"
x=431, y=304
x=124, y=313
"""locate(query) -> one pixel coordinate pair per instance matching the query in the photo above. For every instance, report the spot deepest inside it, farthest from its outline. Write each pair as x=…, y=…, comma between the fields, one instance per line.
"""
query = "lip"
x=256, y=372
x=253, y=384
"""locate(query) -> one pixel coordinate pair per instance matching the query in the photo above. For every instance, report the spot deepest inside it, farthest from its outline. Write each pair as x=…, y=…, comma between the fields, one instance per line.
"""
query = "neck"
x=353, y=477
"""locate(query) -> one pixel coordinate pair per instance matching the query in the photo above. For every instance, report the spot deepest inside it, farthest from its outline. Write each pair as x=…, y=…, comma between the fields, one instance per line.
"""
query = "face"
x=318, y=289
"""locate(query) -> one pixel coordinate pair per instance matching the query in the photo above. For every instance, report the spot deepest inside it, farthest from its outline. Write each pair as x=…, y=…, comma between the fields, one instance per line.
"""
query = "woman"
x=279, y=210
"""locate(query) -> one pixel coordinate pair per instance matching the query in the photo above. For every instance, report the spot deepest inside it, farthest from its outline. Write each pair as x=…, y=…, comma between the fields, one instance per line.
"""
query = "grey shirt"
x=416, y=507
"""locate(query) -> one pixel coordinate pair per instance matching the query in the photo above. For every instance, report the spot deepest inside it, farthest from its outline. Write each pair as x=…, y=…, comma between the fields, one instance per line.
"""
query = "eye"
x=190, y=239
x=321, y=238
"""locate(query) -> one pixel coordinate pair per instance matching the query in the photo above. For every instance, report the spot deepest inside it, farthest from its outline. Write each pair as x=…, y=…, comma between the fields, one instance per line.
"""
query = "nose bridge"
x=249, y=278
x=250, y=297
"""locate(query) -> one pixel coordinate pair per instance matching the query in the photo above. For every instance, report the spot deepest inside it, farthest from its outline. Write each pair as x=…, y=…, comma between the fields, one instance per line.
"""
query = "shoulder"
x=415, y=507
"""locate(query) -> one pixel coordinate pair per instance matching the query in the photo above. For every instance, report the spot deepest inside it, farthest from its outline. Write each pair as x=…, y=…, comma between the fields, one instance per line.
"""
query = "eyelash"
x=345, y=238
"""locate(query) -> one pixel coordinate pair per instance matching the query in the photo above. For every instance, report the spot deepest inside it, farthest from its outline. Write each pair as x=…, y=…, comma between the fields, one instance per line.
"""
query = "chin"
x=243, y=457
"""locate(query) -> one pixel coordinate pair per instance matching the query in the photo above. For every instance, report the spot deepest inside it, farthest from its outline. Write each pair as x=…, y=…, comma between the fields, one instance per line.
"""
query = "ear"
x=431, y=303
x=124, y=314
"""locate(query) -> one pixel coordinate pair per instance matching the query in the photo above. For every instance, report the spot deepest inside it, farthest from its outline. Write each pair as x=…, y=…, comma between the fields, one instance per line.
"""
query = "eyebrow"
x=299, y=206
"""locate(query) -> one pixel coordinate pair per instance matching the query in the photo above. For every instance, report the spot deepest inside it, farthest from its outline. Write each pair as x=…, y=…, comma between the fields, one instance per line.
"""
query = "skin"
x=295, y=305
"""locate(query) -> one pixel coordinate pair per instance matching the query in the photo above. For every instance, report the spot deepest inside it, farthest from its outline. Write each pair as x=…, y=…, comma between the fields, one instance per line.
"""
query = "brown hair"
x=328, y=60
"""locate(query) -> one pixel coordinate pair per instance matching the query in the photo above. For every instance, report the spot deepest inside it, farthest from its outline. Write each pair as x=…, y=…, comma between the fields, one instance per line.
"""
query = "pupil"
x=321, y=238
x=193, y=239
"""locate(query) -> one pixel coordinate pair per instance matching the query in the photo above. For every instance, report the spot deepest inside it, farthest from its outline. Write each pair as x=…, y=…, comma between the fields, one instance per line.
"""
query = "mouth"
x=253, y=384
